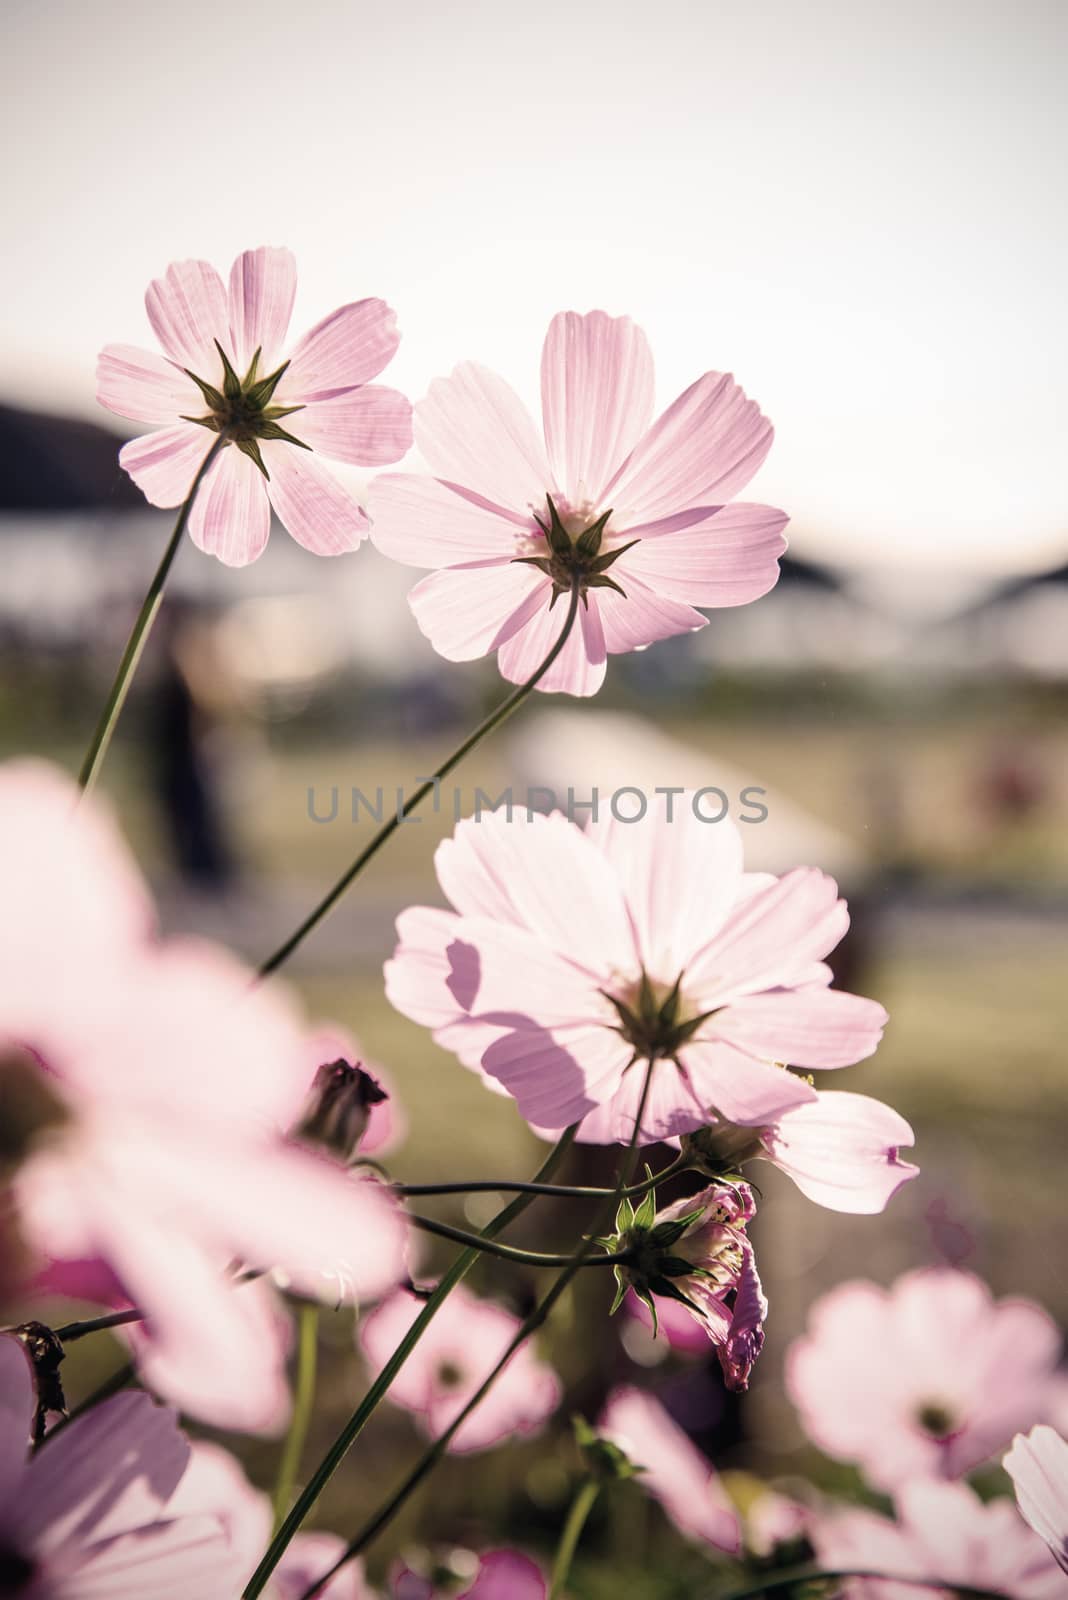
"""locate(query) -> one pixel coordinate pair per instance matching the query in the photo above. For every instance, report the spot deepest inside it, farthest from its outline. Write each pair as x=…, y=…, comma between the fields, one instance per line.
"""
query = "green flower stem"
x=303, y=1405
x=581, y=1507
x=507, y=1252
x=355, y=1425
x=430, y=1458
x=494, y=720
x=778, y=1581
x=558, y=1191
x=113, y=1319
x=135, y=644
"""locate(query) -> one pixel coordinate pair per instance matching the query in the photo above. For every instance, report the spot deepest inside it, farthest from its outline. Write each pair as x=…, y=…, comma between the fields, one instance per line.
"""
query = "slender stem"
x=114, y=1319
x=430, y=1458
x=507, y=1252
x=303, y=1405
x=135, y=644
x=494, y=720
x=355, y=1425
x=559, y=1191
x=581, y=1507
x=786, y=1580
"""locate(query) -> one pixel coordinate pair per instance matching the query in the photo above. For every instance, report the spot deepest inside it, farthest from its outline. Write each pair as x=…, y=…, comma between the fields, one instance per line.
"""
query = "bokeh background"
x=857, y=209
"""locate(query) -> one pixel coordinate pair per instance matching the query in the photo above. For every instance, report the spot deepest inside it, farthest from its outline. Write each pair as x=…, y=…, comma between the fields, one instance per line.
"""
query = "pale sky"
x=858, y=208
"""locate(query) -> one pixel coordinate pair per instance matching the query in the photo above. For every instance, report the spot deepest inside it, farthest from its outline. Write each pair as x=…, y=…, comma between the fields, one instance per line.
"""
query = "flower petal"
x=1038, y=1467
x=139, y=384
x=672, y=1468
x=231, y=515
x=842, y=1151
x=702, y=451
x=164, y=464
x=369, y=427
x=467, y=612
x=349, y=347
x=506, y=1575
x=188, y=311
x=810, y=1027
x=727, y=559
x=751, y=1093
x=475, y=431
x=425, y=523
x=597, y=399
x=642, y=616
x=579, y=669
x=17, y=1406
x=771, y=938
x=263, y=283
x=316, y=510
x=167, y=1561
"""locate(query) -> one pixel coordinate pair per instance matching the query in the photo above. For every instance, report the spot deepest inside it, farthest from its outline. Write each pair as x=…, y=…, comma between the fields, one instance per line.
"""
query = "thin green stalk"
x=135, y=644
x=507, y=1252
x=355, y=1425
x=494, y=720
x=581, y=1507
x=557, y=1191
x=786, y=1580
x=303, y=1405
x=430, y=1458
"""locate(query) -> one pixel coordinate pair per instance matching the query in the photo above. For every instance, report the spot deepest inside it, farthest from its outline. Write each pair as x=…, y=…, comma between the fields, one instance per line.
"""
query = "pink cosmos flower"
x=571, y=957
x=165, y=1083
x=1038, y=1467
x=501, y=1575
x=926, y=1379
x=943, y=1532
x=456, y=1354
x=673, y=1470
x=223, y=372
x=92, y=1515
x=634, y=510
x=842, y=1150
x=722, y=1292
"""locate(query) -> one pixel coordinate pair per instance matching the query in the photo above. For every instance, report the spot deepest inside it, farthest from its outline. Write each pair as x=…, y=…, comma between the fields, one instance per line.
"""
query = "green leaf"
x=647, y=1300
x=206, y=422
x=670, y=1291
x=667, y=1233
x=677, y=1267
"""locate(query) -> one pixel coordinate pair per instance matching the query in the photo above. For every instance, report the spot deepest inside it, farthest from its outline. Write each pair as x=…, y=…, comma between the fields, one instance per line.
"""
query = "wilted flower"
x=163, y=1157
x=672, y=1469
x=926, y=1379
x=696, y=1253
x=943, y=1532
x=93, y=1513
x=842, y=1150
x=632, y=510
x=352, y=1101
x=223, y=375
x=573, y=957
x=1038, y=1467
x=453, y=1358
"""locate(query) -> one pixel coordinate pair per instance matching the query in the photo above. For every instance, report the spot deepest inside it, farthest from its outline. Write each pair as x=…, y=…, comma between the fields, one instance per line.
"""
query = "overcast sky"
x=856, y=207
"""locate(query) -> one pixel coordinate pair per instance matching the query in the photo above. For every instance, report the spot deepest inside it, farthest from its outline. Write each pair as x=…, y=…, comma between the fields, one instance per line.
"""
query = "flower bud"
x=338, y=1108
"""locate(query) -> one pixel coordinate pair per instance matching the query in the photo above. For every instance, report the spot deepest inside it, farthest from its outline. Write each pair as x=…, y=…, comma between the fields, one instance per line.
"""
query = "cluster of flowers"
x=189, y=1152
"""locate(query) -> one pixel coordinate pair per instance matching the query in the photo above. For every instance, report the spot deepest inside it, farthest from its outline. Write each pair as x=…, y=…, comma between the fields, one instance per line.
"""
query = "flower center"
x=574, y=555
x=449, y=1375
x=936, y=1420
x=16, y=1572
x=241, y=409
x=653, y=1017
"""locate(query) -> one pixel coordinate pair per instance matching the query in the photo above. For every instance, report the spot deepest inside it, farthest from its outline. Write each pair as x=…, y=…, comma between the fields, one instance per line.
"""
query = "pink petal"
x=597, y=399
x=642, y=617
x=317, y=511
x=530, y=873
x=579, y=669
x=1038, y=1467
x=506, y=1575
x=136, y=383
x=369, y=427
x=164, y=465
x=263, y=283
x=306, y=1559
x=671, y=1107
x=675, y=1471
x=771, y=938
x=349, y=347
x=701, y=452
x=558, y=1077
x=727, y=559
x=468, y=611
x=231, y=515
x=430, y=524
x=475, y=432
x=169, y=1561
x=680, y=877
x=188, y=311
x=750, y=1093
x=17, y=1406
x=812, y=1027
x=842, y=1151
